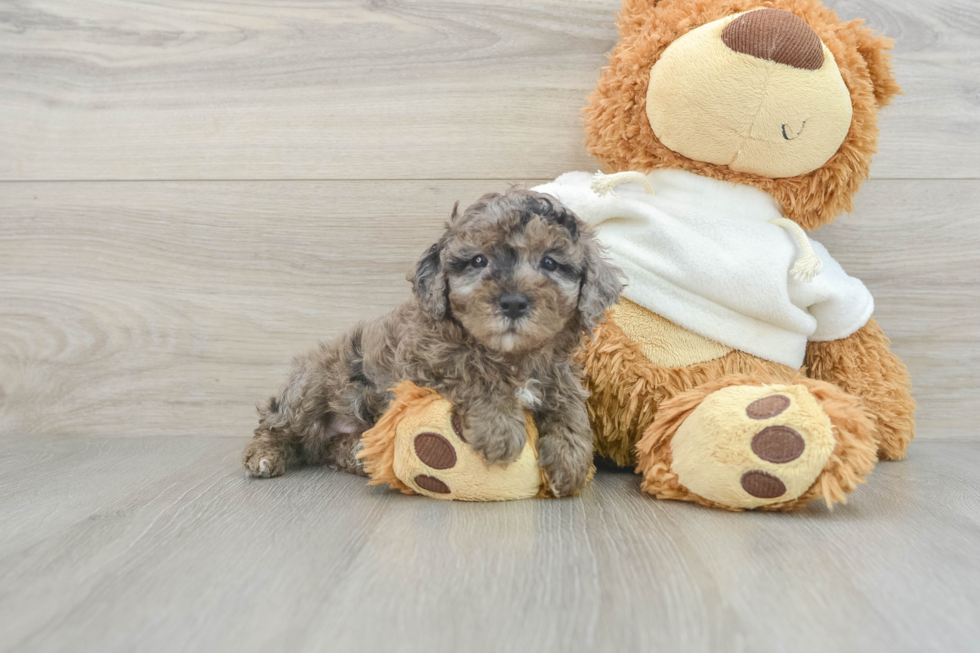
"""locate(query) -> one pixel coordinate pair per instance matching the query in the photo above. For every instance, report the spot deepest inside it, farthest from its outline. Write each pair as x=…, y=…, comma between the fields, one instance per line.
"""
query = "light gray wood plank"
x=931, y=131
x=201, y=558
x=170, y=89
x=162, y=307
x=172, y=308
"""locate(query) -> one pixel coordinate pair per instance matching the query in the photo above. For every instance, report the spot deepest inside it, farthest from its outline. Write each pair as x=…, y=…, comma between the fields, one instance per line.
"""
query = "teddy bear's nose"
x=775, y=35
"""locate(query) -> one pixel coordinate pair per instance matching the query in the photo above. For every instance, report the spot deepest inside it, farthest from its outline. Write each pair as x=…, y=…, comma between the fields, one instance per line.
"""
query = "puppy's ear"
x=429, y=282
x=601, y=284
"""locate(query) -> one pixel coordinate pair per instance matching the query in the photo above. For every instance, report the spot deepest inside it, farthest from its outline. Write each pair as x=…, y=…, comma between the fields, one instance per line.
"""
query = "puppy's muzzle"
x=515, y=306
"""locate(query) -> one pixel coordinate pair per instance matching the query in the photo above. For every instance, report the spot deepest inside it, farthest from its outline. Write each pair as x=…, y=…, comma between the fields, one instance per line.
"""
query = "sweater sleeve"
x=841, y=304
x=574, y=189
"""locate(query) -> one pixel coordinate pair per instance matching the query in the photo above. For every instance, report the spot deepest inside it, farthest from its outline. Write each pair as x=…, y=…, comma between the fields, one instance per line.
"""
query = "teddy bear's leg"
x=863, y=365
x=739, y=442
x=625, y=390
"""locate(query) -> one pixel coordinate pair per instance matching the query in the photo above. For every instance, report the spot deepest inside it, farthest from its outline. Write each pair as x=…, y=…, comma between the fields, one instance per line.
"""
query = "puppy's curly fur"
x=501, y=303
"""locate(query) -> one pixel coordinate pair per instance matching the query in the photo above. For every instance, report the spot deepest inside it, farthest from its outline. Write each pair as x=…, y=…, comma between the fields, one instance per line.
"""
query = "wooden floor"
x=163, y=544
x=192, y=192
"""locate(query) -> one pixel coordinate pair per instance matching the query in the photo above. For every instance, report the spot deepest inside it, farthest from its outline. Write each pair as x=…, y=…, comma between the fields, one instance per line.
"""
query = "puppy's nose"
x=514, y=306
x=775, y=35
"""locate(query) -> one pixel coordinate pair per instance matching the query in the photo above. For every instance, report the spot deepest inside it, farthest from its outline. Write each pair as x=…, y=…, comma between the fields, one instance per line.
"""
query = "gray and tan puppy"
x=501, y=304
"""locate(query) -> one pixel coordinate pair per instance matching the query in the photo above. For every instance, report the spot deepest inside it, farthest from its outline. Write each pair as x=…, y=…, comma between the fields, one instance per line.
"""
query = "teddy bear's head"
x=778, y=94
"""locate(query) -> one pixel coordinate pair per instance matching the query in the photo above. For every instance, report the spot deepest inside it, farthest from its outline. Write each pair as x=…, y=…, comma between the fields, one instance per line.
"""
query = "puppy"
x=500, y=307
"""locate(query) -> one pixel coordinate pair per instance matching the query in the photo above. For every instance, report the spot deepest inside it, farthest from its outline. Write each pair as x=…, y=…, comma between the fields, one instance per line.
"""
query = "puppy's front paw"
x=499, y=440
x=566, y=467
x=262, y=461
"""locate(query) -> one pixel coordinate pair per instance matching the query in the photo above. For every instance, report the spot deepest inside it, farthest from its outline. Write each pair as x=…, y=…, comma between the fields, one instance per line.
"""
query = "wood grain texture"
x=175, y=89
x=167, y=309
x=171, y=308
x=163, y=544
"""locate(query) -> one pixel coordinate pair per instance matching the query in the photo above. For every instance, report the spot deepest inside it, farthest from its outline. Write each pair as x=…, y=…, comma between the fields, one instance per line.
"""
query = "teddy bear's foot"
x=420, y=447
x=749, y=446
x=745, y=446
x=434, y=457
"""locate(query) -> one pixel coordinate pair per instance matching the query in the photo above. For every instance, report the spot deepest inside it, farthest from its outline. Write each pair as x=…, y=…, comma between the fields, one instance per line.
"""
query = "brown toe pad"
x=778, y=444
x=762, y=485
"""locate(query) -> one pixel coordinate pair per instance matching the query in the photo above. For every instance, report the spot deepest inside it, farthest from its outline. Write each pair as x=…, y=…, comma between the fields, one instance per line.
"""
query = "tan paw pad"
x=433, y=458
x=750, y=446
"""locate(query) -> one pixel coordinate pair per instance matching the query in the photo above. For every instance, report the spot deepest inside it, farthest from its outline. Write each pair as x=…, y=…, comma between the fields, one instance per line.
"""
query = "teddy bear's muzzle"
x=758, y=92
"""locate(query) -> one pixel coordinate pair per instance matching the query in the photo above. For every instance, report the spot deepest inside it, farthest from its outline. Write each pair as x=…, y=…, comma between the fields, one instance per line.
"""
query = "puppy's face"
x=515, y=269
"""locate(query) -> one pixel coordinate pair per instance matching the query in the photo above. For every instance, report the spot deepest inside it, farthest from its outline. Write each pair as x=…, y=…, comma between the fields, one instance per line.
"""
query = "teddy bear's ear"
x=876, y=51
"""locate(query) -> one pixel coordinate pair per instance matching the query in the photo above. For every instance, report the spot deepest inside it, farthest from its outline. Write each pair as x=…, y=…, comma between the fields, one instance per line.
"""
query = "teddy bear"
x=743, y=368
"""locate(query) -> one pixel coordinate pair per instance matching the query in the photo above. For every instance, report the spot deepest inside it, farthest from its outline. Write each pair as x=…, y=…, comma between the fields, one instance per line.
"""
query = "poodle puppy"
x=500, y=306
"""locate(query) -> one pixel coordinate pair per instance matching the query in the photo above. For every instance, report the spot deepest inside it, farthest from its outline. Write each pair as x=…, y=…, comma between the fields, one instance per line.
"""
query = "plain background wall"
x=192, y=193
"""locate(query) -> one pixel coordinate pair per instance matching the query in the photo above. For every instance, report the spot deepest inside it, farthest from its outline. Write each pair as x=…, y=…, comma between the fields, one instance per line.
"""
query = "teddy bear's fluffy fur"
x=636, y=407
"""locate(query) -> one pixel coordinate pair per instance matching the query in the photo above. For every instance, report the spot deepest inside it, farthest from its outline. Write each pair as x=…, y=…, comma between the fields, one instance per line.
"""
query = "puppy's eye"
x=549, y=264
x=479, y=261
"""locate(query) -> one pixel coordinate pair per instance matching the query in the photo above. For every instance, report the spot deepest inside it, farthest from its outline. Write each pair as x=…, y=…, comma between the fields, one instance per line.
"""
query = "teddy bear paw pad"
x=432, y=484
x=778, y=444
x=763, y=485
x=768, y=406
x=435, y=451
x=751, y=446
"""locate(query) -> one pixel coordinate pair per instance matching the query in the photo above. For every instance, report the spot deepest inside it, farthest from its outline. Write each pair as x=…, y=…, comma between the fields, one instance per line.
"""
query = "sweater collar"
x=734, y=200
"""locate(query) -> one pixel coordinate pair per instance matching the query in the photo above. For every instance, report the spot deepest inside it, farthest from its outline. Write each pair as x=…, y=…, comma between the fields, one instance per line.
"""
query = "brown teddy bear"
x=742, y=368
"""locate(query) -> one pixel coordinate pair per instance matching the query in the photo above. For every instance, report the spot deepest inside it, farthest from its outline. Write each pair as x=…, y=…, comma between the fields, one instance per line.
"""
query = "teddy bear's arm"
x=862, y=364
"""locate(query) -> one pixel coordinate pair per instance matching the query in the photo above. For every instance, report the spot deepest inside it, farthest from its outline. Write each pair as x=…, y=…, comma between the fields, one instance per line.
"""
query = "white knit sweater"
x=703, y=254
